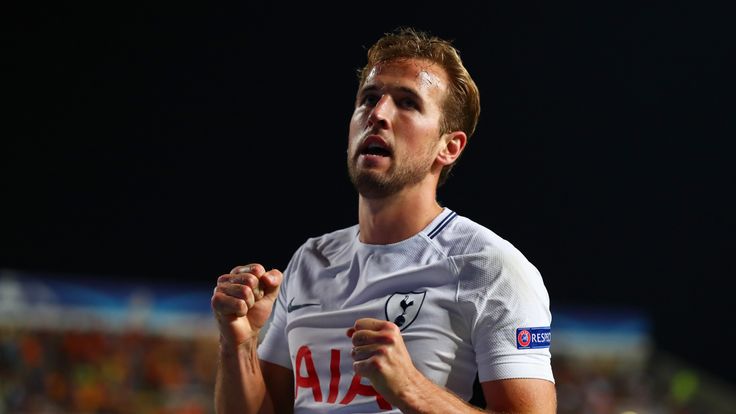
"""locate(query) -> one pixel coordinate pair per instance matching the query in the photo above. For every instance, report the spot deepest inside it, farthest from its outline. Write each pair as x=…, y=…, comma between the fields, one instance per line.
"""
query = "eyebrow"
x=405, y=89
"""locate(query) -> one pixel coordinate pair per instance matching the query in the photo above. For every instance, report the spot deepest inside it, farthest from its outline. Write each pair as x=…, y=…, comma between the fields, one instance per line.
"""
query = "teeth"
x=374, y=145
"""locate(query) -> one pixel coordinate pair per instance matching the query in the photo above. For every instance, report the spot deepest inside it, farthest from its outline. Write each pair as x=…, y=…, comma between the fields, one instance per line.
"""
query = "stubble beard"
x=376, y=185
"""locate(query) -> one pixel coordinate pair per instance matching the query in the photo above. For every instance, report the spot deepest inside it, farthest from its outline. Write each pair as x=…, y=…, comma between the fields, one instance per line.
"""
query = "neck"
x=397, y=217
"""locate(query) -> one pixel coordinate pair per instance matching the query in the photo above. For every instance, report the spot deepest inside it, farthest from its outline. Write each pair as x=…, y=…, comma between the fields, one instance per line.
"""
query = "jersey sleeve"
x=274, y=346
x=509, y=306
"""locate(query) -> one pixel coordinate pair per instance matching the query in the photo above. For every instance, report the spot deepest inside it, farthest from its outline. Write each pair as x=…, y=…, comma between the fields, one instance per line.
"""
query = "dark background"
x=171, y=142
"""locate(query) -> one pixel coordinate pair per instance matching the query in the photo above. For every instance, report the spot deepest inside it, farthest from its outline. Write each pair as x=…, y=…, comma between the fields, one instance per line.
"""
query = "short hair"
x=461, y=108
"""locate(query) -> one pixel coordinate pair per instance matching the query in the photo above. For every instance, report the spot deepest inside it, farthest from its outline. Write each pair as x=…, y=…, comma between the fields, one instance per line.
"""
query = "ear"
x=452, y=145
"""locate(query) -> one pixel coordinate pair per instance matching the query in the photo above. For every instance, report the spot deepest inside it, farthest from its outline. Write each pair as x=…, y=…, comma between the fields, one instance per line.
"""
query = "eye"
x=369, y=99
x=408, y=103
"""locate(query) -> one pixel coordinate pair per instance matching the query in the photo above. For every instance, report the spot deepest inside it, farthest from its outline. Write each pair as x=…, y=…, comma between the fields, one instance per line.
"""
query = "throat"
x=394, y=222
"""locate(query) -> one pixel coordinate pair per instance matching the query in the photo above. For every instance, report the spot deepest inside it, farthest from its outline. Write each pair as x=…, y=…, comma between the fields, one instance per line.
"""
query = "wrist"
x=230, y=347
x=414, y=393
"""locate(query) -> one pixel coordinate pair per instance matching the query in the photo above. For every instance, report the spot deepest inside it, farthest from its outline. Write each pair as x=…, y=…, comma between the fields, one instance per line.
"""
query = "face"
x=395, y=128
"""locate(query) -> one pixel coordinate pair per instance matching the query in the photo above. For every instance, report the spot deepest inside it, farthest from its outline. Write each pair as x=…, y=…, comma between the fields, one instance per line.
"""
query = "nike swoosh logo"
x=292, y=308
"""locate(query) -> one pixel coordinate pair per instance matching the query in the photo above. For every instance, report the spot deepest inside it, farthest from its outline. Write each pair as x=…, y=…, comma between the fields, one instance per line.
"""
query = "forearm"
x=425, y=397
x=517, y=396
x=239, y=386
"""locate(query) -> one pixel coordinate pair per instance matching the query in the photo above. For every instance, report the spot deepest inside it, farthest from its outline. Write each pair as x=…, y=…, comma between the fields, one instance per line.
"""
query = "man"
x=400, y=311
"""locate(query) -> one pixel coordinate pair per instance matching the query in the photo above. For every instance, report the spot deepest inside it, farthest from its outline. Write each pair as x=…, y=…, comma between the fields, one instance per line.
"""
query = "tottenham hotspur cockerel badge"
x=402, y=308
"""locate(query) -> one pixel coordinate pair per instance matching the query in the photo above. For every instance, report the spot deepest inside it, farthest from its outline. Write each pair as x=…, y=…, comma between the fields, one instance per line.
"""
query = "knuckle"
x=248, y=292
x=251, y=280
x=216, y=300
x=240, y=269
x=362, y=368
x=242, y=290
x=224, y=290
x=358, y=368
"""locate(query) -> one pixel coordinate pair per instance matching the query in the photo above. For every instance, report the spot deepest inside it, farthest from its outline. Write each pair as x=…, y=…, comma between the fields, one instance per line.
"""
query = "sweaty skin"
x=425, y=76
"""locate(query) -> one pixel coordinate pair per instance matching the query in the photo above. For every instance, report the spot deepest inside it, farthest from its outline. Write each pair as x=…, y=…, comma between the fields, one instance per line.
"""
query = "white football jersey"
x=465, y=299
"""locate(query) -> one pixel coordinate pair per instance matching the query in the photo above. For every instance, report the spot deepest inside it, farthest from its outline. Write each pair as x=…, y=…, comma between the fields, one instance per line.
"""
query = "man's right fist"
x=243, y=299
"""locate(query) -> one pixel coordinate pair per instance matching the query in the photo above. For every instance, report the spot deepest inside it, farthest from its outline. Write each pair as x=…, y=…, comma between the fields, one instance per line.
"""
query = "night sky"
x=171, y=143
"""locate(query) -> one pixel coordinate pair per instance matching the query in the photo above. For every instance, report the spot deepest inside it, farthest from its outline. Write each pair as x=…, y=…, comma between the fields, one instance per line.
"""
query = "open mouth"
x=375, y=145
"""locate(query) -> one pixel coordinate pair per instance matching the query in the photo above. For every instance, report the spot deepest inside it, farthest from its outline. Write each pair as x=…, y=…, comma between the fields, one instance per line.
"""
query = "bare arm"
x=511, y=396
x=242, y=302
x=239, y=386
x=245, y=384
x=522, y=395
x=279, y=388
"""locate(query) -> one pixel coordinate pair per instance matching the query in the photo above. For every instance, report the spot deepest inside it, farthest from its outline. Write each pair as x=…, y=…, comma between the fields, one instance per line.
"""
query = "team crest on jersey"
x=403, y=307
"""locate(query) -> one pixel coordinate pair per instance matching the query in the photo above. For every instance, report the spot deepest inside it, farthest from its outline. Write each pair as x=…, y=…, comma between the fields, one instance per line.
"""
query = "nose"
x=381, y=115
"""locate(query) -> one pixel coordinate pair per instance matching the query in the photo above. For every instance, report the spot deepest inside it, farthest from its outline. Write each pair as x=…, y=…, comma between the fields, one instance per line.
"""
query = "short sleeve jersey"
x=460, y=294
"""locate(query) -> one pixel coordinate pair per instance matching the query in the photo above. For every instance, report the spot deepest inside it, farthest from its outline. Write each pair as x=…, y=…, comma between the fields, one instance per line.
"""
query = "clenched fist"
x=242, y=302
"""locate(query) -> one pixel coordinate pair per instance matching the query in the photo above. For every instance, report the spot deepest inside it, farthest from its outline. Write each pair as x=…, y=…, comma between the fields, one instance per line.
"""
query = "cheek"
x=356, y=122
x=426, y=139
x=353, y=128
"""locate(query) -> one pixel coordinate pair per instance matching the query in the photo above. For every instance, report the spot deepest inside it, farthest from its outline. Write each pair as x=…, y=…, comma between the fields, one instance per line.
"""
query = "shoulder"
x=483, y=258
x=465, y=237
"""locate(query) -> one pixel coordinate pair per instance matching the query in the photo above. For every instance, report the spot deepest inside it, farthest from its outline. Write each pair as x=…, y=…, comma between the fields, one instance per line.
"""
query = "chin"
x=372, y=185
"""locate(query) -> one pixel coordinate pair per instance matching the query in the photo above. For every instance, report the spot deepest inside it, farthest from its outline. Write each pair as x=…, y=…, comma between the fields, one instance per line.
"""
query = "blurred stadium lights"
x=622, y=334
x=53, y=302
